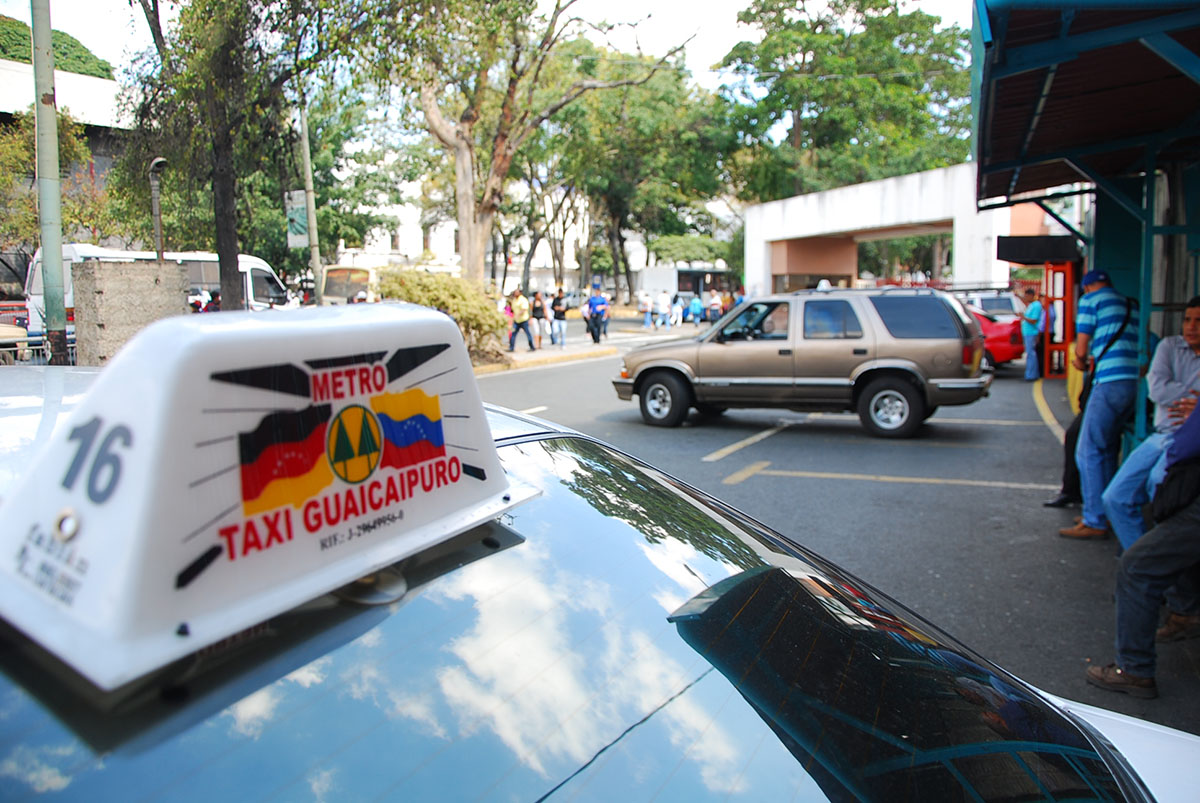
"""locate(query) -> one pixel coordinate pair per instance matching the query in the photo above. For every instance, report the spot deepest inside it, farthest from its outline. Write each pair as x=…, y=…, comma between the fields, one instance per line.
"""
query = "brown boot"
x=1178, y=627
x=1082, y=530
x=1113, y=678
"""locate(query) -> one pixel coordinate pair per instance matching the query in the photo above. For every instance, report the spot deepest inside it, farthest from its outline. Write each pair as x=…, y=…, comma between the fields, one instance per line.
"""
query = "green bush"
x=476, y=314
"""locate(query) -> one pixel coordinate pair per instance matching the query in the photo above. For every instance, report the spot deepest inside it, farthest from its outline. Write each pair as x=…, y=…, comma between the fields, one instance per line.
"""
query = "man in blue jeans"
x=1106, y=333
x=1030, y=321
x=1173, y=382
x=1163, y=565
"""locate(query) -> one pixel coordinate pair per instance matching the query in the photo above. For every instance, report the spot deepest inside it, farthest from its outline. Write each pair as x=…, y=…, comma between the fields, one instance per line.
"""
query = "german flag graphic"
x=412, y=427
x=283, y=459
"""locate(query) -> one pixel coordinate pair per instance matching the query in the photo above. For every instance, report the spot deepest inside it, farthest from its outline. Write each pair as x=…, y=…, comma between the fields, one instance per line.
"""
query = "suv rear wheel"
x=891, y=408
x=664, y=399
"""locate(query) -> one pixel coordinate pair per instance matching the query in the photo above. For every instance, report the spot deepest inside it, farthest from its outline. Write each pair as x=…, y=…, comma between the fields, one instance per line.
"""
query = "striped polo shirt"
x=1100, y=315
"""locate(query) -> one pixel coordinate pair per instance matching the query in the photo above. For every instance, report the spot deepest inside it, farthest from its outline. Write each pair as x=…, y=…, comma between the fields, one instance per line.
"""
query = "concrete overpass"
x=795, y=242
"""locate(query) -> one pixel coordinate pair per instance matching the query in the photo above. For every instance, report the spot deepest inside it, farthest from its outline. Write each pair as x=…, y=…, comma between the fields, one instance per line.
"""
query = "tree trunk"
x=533, y=244
x=224, y=187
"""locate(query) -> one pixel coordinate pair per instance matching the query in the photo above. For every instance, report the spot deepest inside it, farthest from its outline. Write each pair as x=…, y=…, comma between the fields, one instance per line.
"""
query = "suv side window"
x=916, y=317
x=830, y=320
x=759, y=321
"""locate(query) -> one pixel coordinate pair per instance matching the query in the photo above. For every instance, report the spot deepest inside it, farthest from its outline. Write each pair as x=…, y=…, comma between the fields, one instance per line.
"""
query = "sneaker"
x=1113, y=678
x=1082, y=530
x=1178, y=627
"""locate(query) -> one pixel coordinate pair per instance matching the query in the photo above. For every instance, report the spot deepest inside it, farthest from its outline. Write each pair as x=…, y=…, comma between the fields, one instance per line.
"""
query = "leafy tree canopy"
x=862, y=90
x=70, y=55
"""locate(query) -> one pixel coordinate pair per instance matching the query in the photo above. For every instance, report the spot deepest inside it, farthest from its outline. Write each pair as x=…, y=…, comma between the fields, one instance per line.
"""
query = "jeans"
x=1108, y=407
x=647, y=321
x=558, y=331
x=1161, y=565
x=1133, y=486
x=512, y=338
x=664, y=319
x=1032, y=366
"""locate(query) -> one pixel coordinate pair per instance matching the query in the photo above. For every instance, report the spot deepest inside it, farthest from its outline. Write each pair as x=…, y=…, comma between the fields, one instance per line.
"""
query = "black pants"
x=594, y=325
x=1070, y=475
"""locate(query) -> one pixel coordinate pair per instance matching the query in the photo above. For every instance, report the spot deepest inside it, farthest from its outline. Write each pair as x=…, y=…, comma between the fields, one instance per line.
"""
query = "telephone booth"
x=1058, y=281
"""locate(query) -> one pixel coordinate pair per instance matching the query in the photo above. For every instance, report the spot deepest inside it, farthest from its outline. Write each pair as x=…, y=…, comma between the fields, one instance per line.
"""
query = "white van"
x=260, y=284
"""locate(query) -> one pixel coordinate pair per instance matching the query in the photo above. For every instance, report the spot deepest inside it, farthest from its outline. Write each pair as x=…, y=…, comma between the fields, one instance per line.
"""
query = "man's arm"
x=1079, y=358
x=1162, y=384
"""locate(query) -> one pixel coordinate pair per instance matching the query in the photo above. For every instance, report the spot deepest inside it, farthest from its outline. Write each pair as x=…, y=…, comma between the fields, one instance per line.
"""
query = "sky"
x=114, y=30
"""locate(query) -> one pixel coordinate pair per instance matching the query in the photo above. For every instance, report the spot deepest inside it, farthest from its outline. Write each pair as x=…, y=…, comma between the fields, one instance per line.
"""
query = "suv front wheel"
x=891, y=408
x=664, y=399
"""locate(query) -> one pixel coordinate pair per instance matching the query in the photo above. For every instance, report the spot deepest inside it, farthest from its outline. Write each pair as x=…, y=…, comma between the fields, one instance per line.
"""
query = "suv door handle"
x=785, y=352
x=860, y=351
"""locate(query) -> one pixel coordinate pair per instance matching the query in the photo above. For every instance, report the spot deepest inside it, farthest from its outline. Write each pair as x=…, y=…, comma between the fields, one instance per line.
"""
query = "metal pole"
x=49, y=197
x=156, y=167
x=310, y=208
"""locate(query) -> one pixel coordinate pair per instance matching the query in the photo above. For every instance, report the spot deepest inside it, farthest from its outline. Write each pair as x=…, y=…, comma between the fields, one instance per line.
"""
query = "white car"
x=310, y=564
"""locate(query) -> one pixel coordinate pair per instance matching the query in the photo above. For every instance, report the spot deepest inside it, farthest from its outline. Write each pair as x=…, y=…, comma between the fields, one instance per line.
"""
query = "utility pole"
x=49, y=189
x=310, y=208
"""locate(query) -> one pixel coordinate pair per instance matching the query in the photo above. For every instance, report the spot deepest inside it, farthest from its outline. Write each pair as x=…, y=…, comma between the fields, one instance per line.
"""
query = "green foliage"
x=865, y=91
x=883, y=258
x=86, y=214
x=476, y=314
x=16, y=44
x=688, y=248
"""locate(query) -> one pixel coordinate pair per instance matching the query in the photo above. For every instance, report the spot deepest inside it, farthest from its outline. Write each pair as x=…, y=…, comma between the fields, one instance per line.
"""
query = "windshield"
x=345, y=283
x=619, y=636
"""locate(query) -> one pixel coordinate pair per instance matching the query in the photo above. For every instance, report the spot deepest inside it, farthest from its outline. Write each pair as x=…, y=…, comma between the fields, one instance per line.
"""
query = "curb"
x=548, y=359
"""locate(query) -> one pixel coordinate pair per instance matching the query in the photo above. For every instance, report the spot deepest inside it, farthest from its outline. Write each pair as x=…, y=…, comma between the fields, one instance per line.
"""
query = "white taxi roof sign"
x=223, y=469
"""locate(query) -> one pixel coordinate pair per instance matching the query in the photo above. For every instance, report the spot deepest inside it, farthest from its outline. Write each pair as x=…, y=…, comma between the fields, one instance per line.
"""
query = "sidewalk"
x=623, y=331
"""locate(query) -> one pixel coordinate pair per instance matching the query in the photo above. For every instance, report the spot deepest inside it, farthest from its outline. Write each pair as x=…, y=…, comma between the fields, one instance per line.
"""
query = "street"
x=950, y=522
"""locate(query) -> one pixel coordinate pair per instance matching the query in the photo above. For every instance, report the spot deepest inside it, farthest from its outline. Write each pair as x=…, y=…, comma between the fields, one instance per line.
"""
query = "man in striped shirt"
x=1106, y=329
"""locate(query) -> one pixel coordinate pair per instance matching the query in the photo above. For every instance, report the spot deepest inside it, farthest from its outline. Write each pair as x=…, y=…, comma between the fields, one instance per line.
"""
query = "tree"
x=484, y=85
x=647, y=156
x=85, y=210
x=865, y=92
x=232, y=153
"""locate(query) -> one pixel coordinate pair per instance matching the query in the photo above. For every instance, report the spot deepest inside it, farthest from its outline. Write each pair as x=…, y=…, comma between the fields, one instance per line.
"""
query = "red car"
x=1002, y=340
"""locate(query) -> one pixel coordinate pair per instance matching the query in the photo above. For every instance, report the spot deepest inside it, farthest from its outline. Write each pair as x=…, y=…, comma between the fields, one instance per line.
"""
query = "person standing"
x=1163, y=565
x=520, y=311
x=1031, y=320
x=537, y=313
x=696, y=310
x=662, y=310
x=714, y=305
x=1106, y=334
x=558, y=330
x=1173, y=383
x=597, y=313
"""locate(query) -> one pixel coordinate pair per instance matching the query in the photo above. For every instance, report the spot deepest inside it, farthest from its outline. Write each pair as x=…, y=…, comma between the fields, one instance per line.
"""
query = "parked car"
x=1004, y=305
x=1002, y=341
x=497, y=609
x=892, y=354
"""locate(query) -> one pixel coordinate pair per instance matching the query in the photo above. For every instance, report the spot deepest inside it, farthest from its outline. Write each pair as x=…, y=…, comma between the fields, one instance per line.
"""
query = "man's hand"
x=1080, y=363
x=1182, y=408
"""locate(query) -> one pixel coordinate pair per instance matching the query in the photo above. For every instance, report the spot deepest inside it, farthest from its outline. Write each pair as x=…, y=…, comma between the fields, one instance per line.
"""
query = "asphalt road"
x=950, y=522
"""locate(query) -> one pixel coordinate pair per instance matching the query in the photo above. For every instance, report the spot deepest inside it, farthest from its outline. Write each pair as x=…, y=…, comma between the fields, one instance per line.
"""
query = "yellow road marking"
x=745, y=474
x=742, y=444
x=760, y=468
x=1039, y=400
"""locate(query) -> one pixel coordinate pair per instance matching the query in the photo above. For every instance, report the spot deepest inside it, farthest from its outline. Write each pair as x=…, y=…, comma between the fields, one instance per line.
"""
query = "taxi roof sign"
x=223, y=469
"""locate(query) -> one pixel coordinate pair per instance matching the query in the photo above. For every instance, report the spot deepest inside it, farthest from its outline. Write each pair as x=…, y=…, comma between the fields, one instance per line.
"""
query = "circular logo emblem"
x=353, y=446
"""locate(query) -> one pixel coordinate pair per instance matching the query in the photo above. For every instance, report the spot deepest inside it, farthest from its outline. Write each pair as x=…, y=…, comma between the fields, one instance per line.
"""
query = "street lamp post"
x=156, y=168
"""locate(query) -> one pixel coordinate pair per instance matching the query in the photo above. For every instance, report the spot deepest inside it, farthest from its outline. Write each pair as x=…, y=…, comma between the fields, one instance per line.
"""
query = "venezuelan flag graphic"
x=282, y=460
x=412, y=427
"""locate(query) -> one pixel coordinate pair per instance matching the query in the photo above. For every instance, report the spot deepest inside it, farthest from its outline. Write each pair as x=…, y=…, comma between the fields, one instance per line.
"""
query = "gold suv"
x=894, y=355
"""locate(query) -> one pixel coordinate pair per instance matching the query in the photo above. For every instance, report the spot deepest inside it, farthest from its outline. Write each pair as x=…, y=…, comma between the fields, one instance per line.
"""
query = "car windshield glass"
x=916, y=316
x=997, y=304
x=620, y=633
x=760, y=320
x=345, y=283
